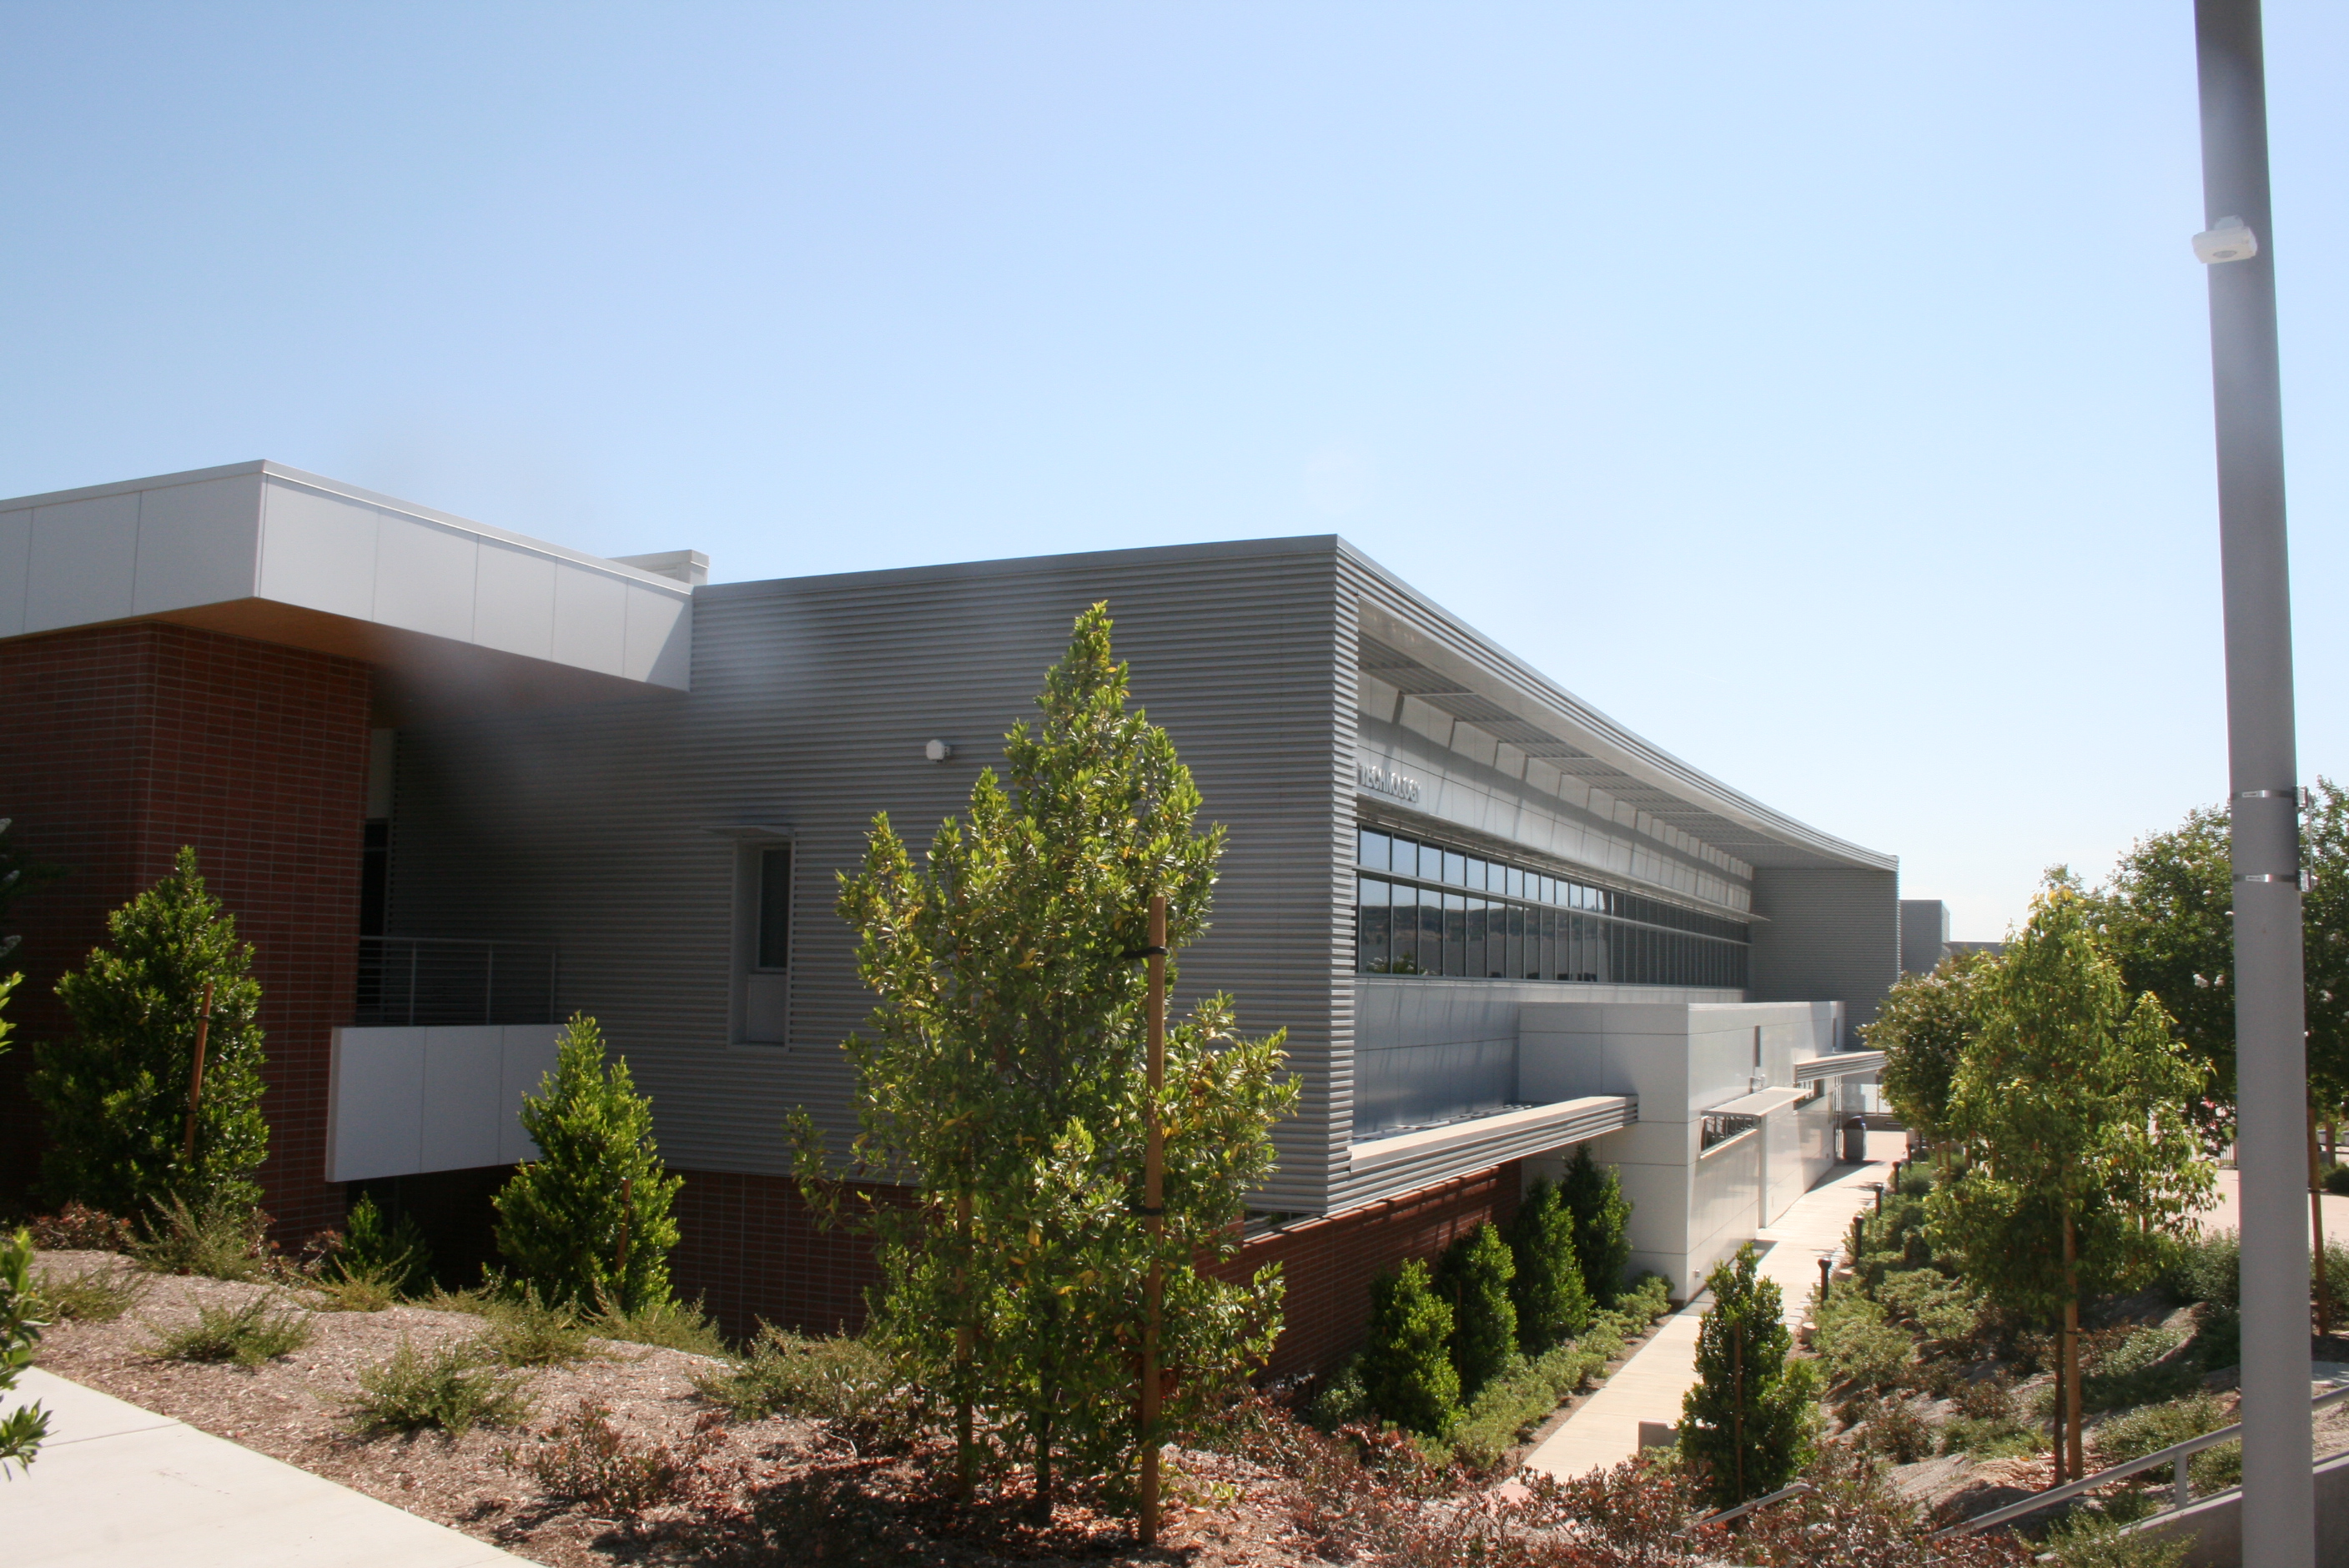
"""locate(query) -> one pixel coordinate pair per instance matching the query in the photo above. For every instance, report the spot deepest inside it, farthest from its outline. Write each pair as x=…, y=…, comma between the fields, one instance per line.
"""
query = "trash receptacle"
x=1855, y=1142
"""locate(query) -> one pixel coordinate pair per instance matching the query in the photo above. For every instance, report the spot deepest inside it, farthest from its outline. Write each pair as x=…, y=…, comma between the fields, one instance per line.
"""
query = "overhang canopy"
x=454, y=612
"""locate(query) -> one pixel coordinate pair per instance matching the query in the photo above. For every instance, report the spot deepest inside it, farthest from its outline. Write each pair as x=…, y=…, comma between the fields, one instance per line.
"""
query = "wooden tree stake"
x=196, y=1075
x=1154, y=1218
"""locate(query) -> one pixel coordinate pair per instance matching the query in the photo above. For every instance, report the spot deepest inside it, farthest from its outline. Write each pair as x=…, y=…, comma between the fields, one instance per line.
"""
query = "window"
x=1512, y=923
x=775, y=909
x=762, y=943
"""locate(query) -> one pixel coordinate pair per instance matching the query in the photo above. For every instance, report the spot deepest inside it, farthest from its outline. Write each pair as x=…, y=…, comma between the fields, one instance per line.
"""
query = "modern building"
x=458, y=784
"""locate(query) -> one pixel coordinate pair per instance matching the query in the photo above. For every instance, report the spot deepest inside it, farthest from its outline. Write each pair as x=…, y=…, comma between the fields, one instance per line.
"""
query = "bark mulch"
x=778, y=1489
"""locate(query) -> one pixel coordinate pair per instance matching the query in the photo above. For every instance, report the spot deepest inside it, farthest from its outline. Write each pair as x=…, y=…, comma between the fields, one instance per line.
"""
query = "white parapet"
x=402, y=1101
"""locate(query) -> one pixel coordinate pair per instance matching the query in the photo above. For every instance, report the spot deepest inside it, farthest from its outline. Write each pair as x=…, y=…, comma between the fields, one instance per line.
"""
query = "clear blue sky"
x=1821, y=391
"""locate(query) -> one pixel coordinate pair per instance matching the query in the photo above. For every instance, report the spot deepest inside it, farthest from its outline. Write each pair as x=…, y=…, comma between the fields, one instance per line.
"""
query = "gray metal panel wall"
x=1826, y=936
x=812, y=699
x=1924, y=932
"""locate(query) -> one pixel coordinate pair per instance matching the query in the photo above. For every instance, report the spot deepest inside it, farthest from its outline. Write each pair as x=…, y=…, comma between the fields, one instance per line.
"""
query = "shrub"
x=1523, y=1396
x=1746, y=1424
x=2085, y=1539
x=1940, y=1308
x=248, y=1335
x=78, y=1228
x=454, y=1390
x=2143, y=1368
x=1898, y=1432
x=372, y=1248
x=1406, y=1368
x=116, y=1090
x=1552, y=1298
x=844, y=1381
x=22, y=1429
x=1990, y=1437
x=2141, y=1432
x=217, y=1239
x=671, y=1325
x=1989, y=1398
x=587, y=1223
x=93, y=1295
x=1602, y=1221
x=1340, y=1400
x=526, y=1332
x=586, y=1460
x=2208, y=1268
x=1857, y=1344
x=2336, y=1180
x=1474, y=1276
x=357, y=1292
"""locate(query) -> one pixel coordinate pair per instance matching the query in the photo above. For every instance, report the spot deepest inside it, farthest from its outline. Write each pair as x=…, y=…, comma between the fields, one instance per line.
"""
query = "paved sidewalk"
x=115, y=1485
x=1604, y=1430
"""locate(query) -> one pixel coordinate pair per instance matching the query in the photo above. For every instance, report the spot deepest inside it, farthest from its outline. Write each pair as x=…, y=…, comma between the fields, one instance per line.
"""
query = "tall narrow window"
x=763, y=944
x=775, y=909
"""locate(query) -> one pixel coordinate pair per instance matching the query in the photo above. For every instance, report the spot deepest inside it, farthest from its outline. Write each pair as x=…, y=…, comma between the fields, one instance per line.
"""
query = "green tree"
x=2324, y=944
x=1552, y=1298
x=1922, y=1029
x=1406, y=1366
x=2070, y=1105
x=586, y=1225
x=1746, y=1425
x=2168, y=919
x=1602, y=1224
x=1002, y=1080
x=116, y=1090
x=1474, y=1278
x=22, y=1429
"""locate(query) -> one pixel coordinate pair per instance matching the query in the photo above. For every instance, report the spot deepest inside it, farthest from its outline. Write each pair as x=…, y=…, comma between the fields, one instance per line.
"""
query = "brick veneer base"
x=750, y=1250
x=119, y=744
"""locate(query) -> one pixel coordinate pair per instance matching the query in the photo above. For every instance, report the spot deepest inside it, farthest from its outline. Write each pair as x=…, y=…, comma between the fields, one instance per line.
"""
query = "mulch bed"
x=778, y=1489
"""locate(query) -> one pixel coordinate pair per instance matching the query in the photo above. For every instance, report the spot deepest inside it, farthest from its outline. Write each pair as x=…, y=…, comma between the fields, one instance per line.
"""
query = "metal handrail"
x=2175, y=1454
x=1726, y=1514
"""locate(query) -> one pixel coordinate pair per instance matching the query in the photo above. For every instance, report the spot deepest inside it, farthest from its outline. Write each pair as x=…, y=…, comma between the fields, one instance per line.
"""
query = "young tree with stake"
x=2070, y=1104
x=1004, y=1079
x=1746, y=1425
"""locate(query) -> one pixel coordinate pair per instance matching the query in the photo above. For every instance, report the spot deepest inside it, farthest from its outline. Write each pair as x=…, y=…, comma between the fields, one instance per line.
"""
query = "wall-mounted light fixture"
x=937, y=751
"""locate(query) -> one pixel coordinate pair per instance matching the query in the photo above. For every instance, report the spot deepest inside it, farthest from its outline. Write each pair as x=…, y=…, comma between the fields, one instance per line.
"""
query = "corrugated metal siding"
x=1826, y=936
x=812, y=699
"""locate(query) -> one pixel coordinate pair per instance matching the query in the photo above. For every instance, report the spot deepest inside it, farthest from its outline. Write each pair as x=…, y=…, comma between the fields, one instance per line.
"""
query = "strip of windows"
x=1438, y=911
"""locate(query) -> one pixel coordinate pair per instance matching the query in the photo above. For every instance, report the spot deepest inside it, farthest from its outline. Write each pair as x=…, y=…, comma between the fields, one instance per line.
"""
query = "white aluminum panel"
x=529, y=1057
x=660, y=637
x=464, y=1104
x=590, y=619
x=16, y=563
x=424, y=576
x=317, y=552
x=514, y=601
x=84, y=558
x=198, y=545
x=375, y=1121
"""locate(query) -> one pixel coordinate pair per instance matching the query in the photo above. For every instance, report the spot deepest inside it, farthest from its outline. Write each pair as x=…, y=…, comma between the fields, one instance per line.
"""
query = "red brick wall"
x=1328, y=1264
x=119, y=744
x=750, y=1250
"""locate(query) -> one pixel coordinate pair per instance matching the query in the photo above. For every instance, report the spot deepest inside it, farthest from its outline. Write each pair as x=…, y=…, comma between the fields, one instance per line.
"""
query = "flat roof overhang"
x=455, y=615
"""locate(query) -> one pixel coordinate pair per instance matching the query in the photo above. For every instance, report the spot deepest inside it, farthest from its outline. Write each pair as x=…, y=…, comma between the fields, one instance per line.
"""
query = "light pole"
x=2270, y=1045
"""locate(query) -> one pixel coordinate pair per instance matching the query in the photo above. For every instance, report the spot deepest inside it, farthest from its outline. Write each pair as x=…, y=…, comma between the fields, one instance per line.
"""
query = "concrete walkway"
x=115, y=1485
x=1604, y=1430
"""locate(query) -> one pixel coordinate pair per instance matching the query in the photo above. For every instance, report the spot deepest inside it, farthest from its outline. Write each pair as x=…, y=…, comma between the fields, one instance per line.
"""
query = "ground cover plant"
x=23, y=1429
x=248, y=1335
x=453, y=1389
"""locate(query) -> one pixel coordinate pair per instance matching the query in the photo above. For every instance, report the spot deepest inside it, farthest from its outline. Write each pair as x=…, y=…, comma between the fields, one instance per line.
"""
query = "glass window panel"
x=1455, y=869
x=1406, y=856
x=1430, y=863
x=1403, y=930
x=1517, y=963
x=1550, y=890
x=1476, y=873
x=1372, y=950
x=775, y=908
x=1369, y=890
x=1455, y=934
x=1431, y=932
x=1374, y=850
x=1475, y=960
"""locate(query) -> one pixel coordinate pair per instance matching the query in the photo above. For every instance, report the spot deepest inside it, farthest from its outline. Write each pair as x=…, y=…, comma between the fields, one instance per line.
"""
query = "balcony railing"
x=1720, y=1126
x=407, y=981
